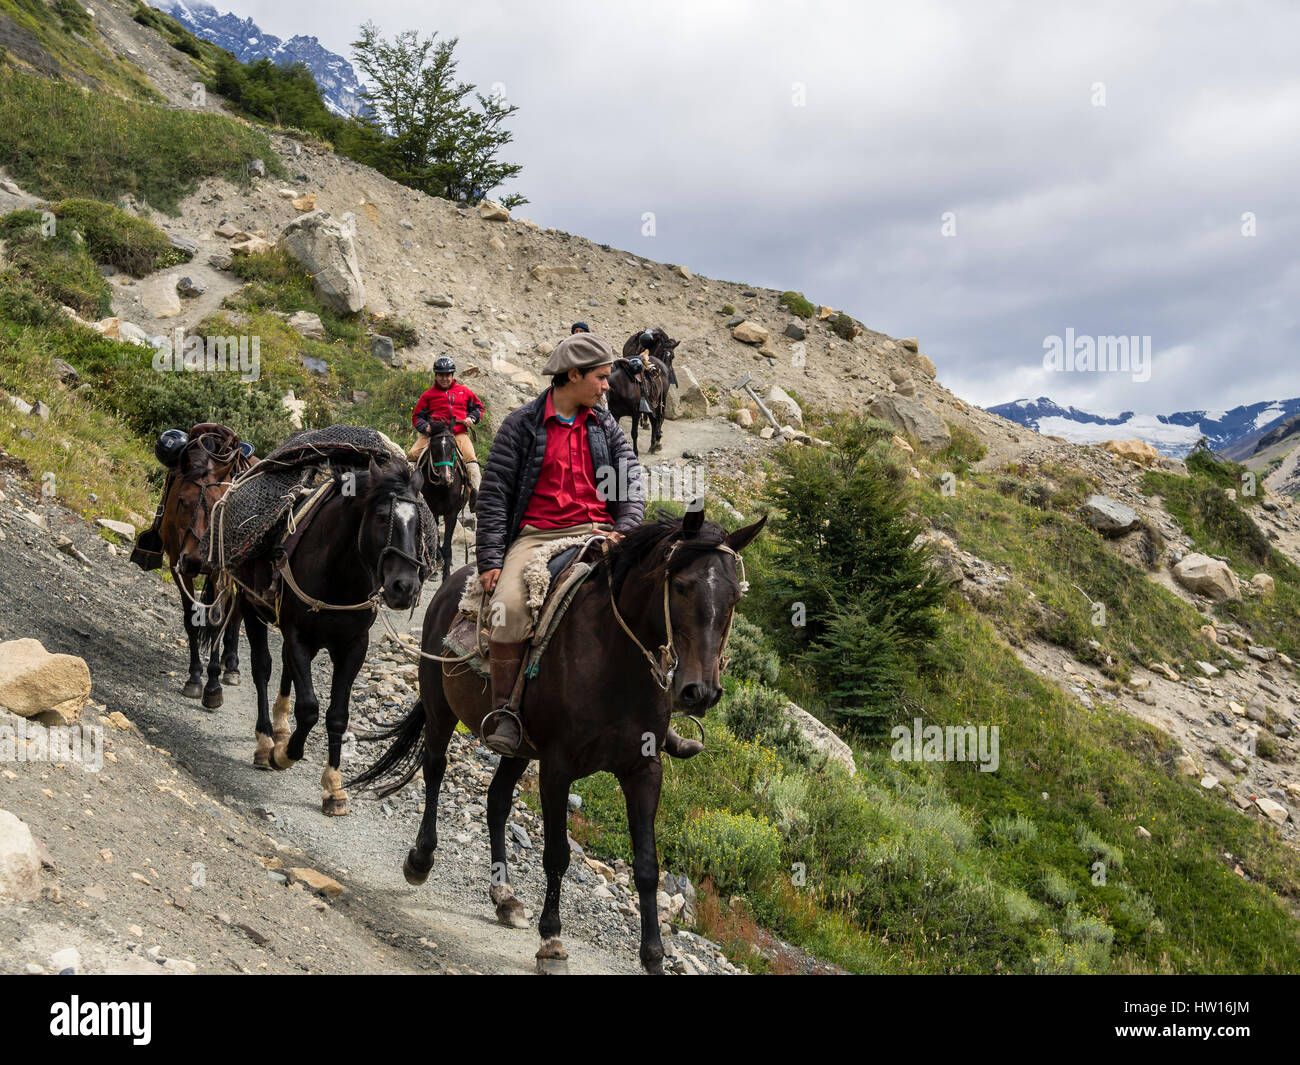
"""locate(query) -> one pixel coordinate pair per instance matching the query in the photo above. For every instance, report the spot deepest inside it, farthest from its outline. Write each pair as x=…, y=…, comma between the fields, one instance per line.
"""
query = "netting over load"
x=248, y=520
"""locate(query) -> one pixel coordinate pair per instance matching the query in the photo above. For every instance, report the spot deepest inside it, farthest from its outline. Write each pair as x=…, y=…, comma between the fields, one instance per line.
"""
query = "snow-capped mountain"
x=1171, y=434
x=244, y=39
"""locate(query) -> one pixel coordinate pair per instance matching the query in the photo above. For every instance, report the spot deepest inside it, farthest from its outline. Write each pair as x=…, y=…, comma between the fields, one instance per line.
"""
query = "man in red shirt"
x=448, y=401
x=542, y=484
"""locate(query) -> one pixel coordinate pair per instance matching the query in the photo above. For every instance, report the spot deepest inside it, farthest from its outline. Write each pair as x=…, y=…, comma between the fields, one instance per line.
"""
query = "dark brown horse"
x=446, y=485
x=626, y=392
x=597, y=704
x=361, y=545
x=210, y=460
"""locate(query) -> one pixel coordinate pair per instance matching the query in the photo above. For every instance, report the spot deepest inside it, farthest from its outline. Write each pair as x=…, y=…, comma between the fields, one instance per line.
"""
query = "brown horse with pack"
x=313, y=539
x=201, y=466
x=595, y=696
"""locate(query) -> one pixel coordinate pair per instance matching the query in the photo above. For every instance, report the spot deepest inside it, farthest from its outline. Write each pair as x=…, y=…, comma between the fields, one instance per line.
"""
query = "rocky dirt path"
x=187, y=793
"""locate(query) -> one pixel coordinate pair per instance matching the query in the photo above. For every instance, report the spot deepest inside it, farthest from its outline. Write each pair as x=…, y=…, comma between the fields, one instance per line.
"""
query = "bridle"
x=228, y=457
x=660, y=667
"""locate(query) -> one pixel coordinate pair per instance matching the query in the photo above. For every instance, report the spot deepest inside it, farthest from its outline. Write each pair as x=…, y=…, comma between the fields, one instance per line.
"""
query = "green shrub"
x=964, y=450
x=727, y=309
x=754, y=713
x=749, y=657
x=844, y=327
x=795, y=303
x=57, y=268
x=1091, y=843
x=1057, y=889
x=1008, y=831
x=114, y=237
x=737, y=851
x=403, y=333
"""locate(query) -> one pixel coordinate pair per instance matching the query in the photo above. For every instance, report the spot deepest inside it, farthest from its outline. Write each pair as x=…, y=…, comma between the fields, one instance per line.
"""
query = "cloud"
x=1124, y=218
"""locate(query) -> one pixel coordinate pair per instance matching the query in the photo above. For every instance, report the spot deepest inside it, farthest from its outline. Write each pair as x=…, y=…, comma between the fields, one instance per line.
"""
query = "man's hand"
x=614, y=537
x=489, y=580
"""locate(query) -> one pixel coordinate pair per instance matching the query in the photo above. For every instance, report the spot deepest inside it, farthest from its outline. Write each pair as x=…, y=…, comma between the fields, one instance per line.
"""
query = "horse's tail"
x=404, y=758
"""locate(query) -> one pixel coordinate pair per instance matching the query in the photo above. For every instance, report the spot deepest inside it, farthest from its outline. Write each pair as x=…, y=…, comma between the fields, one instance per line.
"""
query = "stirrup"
x=485, y=731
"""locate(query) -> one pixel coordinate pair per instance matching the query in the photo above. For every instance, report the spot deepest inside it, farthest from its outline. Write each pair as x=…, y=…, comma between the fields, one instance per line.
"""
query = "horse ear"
x=741, y=538
x=417, y=480
x=693, y=522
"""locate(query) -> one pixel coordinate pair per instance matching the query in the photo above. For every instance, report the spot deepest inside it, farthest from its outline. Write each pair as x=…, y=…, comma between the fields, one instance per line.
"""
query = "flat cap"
x=579, y=351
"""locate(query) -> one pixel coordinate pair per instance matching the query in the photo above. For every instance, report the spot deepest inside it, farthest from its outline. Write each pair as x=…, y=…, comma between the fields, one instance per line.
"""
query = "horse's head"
x=389, y=539
x=438, y=463
x=697, y=564
x=204, y=469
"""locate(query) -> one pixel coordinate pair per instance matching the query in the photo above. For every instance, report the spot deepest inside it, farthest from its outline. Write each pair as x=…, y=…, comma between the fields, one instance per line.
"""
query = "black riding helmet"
x=170, y=445
x=444, y=364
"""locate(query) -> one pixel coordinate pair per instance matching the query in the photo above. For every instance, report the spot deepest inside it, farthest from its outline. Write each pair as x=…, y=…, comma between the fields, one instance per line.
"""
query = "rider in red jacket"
x=448, y=401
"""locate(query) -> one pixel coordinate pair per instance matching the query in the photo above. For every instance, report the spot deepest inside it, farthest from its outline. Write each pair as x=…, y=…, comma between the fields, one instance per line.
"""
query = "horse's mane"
x=644, y=541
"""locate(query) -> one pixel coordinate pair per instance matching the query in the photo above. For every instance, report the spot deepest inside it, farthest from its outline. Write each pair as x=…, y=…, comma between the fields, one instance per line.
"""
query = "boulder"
x=910, y=344
x=913, y=417
x=123, y=528
x=316, y=881
x=439, y=299
x=491, y=211
x=183, y=244
x=694, y=403
x=257, y=168
x=795, y=331
x=381, y=347
x=926, y=366
x=188, y=288
x=307, y=325
x=1207, y=576
x=33, y=681
x=1138, y=451
x=250, y=245
x=1107, y=516
x=64, y=371
x=780, y=404
x=1262, y=583
x=750, y=333
x=744, y=419
x=294, y=407
x=825, y=313
x=672, y=403
x=820, y=738
x=159, y=298
x=683, y=272
x=306, y=202
x=323, y=246
x=20, y=860
x=1274, y=811
x=226, y=230
x=544, y=272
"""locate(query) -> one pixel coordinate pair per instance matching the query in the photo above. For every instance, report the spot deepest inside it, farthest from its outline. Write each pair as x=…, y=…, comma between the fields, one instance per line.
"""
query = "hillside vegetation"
x=1037, y=866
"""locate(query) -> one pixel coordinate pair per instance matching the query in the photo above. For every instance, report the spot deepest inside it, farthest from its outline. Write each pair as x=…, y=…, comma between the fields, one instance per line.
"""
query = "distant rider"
x=449, y=401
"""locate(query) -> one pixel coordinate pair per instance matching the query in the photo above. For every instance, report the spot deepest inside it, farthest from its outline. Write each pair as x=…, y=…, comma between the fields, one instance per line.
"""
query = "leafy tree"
x=440, y=143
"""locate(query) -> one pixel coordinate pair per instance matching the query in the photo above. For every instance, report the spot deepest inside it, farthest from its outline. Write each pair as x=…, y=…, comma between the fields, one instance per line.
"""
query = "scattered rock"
x=1138, y=451
x=750, y=333
x=491, y=211
x=316, y=881
x=306, y=202
x=20, y=860
x=821, y=738
x=257, y=168
x=913, y=417
x=34, y=681
x=543, y=272
x=1207, y=576
x=158, y=297
x=307, y=325
x=780, y=404
x=1263, y=583
x=188, y=288
x=1274, y=811
x=381, y=347
x=1107, y=516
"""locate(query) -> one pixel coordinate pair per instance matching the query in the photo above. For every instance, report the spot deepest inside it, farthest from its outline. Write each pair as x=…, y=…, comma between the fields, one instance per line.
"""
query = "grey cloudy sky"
x=1117, y=219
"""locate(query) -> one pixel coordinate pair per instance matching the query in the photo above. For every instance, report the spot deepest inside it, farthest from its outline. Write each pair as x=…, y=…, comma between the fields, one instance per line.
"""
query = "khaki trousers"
x=508, y=614
x=463, y=444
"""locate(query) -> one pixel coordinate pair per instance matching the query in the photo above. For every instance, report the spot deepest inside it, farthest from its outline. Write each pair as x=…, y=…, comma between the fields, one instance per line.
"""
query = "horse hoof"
x=230, y=678
x=261, y=760
x=192, y=690
x=332, y=807
x=654, y=968
x=511, y=914
x=212, y=700
x=552, y=959
x=280, y=760
x=413, y=876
